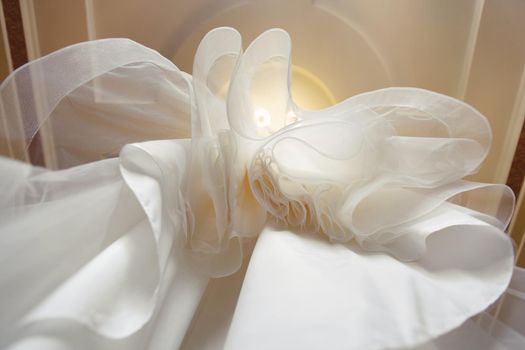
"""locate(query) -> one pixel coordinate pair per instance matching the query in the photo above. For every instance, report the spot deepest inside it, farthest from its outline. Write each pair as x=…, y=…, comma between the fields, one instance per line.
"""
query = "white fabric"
x=322, y=291
x=371, y=238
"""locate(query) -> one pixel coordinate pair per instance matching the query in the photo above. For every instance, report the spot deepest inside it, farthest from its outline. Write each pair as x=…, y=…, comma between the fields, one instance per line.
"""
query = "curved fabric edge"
x=370, y=301
x=41, y=84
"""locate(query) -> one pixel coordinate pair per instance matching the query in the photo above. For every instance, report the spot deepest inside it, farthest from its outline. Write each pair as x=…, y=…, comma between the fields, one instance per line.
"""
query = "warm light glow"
x=308, y=91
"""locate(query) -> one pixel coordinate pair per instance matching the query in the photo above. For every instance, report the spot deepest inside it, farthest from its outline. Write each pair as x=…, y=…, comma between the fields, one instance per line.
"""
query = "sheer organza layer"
x=162, y=172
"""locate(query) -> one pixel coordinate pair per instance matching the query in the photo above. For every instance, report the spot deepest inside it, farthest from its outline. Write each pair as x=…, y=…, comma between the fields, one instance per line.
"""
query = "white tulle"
x=369, y=236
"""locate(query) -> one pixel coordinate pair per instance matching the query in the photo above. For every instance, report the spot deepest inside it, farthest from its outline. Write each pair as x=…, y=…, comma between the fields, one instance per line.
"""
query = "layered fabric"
x=368, y=236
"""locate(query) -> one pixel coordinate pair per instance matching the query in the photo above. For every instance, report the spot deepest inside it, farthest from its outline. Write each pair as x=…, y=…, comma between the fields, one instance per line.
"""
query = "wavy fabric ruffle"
x=209, y=161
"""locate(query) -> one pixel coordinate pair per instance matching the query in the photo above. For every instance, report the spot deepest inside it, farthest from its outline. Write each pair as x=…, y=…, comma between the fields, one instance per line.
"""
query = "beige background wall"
x=4, y=66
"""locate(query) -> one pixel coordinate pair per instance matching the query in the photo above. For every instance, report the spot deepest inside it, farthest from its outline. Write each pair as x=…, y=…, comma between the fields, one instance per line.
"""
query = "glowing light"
x=309, y=91
x=262, y=117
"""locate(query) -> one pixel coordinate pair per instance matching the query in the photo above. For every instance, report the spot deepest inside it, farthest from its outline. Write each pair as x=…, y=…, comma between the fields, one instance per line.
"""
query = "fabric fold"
x=309, y=294
x=371, y=239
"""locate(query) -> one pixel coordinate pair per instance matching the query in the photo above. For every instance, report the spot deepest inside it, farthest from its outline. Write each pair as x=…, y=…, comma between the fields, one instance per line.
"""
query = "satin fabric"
x=368, y=238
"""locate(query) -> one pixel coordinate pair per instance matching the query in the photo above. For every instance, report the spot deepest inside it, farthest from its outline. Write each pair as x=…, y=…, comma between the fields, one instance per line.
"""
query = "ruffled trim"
x=383, y=169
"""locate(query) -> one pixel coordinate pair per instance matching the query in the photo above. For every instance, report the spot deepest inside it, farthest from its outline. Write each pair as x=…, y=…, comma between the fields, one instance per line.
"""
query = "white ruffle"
x=97, y=242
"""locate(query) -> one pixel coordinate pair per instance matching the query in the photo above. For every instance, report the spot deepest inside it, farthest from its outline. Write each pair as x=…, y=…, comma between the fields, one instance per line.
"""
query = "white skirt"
x=210, y=212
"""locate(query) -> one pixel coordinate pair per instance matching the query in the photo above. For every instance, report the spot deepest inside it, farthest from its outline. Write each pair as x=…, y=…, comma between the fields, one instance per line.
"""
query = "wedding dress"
x=367, y=236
